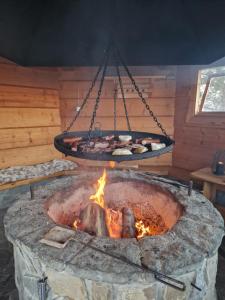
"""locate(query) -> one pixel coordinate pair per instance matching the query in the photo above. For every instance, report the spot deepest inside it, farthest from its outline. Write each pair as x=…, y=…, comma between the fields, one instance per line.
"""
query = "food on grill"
x=156, y=146
x=122, y=151
x=71, y=140
x=101, y=145
x=115, y=145
x=125, y=138
x=148, y=141
x=109, y=137
x=140, y=149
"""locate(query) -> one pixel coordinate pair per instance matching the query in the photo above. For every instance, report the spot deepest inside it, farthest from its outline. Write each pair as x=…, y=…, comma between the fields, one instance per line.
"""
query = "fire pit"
x=117, y=207
x=104, y=241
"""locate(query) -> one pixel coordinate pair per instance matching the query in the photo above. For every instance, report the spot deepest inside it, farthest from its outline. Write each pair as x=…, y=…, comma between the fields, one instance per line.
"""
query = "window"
x=211, y=93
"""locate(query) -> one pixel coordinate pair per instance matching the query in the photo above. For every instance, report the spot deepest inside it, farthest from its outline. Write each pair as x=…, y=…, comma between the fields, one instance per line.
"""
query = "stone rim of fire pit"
x=196, y=236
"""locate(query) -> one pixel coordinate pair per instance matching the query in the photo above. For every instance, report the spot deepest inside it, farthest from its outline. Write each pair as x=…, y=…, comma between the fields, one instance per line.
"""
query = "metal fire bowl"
x=65, y=148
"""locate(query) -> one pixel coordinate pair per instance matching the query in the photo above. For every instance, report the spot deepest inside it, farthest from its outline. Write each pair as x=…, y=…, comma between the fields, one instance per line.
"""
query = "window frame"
x=202, y=100
x=194, y=113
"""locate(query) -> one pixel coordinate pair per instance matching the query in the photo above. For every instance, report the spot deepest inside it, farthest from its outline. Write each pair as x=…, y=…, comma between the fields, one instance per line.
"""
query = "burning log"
x=114, y=223
x=93, y=220
x=128, y=230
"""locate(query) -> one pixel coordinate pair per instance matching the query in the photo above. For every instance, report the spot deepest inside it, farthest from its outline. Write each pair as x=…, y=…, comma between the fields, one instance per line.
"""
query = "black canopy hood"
x=148, y=32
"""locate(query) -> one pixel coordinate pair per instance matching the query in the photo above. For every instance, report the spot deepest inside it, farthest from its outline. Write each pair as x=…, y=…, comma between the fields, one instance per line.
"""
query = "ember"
x=142, y=229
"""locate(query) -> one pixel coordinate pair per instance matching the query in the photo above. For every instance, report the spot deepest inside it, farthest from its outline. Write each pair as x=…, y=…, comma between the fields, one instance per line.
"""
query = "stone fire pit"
x=187, y=252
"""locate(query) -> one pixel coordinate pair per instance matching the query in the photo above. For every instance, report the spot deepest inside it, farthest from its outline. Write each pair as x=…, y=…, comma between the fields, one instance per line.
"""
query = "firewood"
x=128, y=230
x=114, y=222
x=93, y=220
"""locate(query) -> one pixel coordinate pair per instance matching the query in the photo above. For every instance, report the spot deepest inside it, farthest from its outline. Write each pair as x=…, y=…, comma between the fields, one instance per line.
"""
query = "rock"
x=63, y=284
x=101, y=291
x=8, y=197
x=47, y=188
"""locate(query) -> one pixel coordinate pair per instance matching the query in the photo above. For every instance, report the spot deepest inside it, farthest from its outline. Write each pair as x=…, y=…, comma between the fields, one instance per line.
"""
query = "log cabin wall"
x=158, y=85
x=29, y=115
x=197, y=139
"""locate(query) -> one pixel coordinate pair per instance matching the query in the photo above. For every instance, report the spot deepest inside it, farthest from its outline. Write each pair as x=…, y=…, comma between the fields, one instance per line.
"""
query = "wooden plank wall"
x=29, y=114
x=197, y=142
x=158, y=85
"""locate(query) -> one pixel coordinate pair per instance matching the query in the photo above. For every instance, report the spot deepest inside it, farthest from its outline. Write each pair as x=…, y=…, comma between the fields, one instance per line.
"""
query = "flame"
x=76, y=223
x=142, y=229
x=112, y=164
x=114, y=222
x=98, y=197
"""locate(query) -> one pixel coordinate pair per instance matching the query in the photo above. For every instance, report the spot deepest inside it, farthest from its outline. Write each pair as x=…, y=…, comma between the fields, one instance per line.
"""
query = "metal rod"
x=190, y=188
x=42, y=288
x=179, y=285
x=196, y=287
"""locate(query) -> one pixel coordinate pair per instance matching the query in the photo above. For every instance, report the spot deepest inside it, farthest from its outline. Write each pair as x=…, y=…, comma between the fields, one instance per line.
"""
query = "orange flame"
x=98, y=197
x=76, y=223
x=142, y=229
x=112, y=164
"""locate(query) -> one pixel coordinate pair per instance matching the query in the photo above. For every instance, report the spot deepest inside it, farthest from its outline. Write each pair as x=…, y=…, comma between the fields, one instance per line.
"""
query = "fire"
x=142, y=229
x=76, y=223
x=112, y=164
x=98, y=197
x=114, y=218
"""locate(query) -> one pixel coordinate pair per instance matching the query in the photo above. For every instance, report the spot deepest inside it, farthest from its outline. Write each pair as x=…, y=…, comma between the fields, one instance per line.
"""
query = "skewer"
x=176, y=284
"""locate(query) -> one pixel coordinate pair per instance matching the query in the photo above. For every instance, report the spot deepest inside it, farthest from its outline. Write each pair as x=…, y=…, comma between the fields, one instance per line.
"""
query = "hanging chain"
x=123, y=97
x=115, y=98
x=142, y=97
x=98, y=96
x=121, y=85
x=86, y=97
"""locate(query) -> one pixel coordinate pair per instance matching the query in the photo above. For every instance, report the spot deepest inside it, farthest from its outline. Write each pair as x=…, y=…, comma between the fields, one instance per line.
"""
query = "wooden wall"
x=29, y=115
x=32, y=99
x=197, y=139
x=157, y=83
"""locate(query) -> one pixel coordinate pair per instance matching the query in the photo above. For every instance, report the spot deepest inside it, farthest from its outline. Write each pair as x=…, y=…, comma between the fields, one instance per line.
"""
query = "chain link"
x=123, y=97
x=115, y=98
x=142, y=97
x=98, y=96
x=86, y=97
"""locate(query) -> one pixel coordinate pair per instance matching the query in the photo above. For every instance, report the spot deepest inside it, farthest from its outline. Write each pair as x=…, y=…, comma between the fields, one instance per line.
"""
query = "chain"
x=122, y=93
x=142, y=97
x=86, y=97
x=114, y=98
x=98, y=96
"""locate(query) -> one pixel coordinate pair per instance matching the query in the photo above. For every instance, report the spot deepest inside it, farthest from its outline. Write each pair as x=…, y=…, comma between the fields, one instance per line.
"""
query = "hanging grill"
x=65, y=141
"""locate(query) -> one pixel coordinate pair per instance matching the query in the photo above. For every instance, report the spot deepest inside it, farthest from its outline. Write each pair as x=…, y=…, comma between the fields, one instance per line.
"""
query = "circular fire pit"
x=79, y=265
x=150, y=204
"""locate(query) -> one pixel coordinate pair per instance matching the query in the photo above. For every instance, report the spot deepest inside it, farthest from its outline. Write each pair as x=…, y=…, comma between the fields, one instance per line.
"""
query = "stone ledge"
x=37, y=190
x=18, y=173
